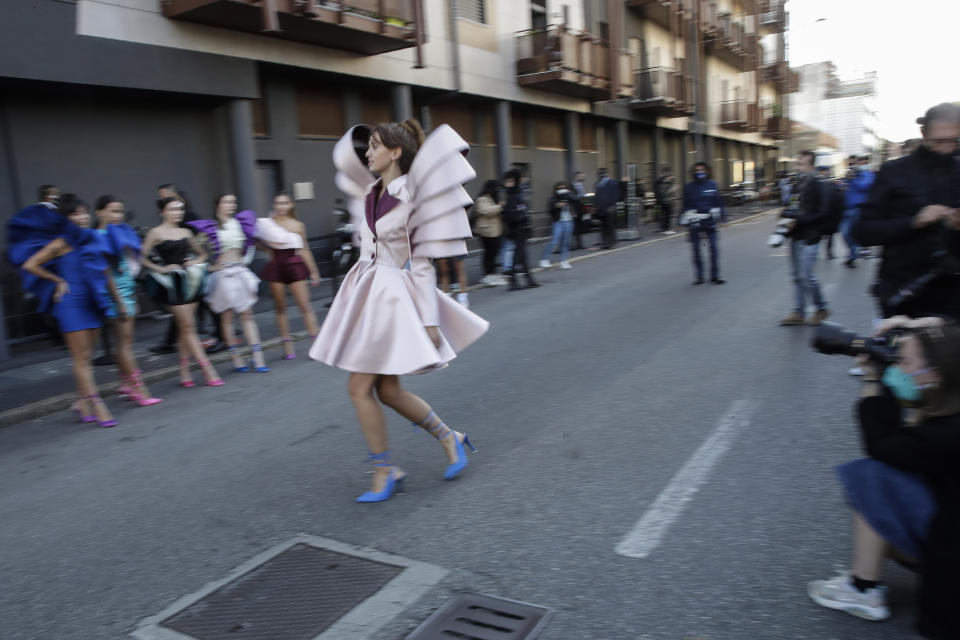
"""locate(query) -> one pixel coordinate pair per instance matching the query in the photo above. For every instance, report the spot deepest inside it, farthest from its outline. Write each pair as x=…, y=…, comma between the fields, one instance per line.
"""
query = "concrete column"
x=709, y=154
x=659, y=152
x=243, y=157
x=503, y=136
x=621, y=148
x=571, y=140
x=402, y=102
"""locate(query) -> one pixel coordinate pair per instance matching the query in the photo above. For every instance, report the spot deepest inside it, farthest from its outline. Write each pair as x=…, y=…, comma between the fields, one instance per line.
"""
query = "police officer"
x=702, y=211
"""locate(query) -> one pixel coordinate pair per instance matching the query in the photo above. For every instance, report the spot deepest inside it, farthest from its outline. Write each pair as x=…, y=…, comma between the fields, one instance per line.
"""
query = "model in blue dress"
x=70, y=275
x=124, y=246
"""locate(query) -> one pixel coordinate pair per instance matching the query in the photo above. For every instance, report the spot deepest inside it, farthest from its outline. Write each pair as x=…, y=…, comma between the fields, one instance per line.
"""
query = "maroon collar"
x=376, y=209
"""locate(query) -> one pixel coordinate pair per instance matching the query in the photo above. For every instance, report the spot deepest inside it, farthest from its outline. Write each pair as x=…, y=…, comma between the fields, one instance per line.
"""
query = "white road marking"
x=653, y=525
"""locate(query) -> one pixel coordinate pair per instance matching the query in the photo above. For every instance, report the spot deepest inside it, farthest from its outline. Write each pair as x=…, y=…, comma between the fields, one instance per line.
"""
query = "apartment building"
x=846, y=109
x=118, y=96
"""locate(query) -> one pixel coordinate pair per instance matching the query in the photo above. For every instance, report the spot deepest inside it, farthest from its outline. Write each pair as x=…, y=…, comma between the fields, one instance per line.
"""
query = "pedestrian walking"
x=291, y=266
x=70, y=276
x=489, y=228
x=389, y=319
x=516, y=216
x=459, y=268
x=177, y=279
x=560, y=205
x=809, y=211
x=858, y=188
x=703, y=210
x=834, y=193
x=665, y=191
x=232, y=289
x=124, y=260
x=606, y=192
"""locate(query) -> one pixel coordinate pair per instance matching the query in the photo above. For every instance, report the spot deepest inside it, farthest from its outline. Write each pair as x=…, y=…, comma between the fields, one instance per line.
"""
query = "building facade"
x=249, y=96
x=846, y=109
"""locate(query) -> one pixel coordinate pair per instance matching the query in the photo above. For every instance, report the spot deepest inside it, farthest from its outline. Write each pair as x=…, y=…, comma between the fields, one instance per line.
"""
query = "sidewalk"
x=38, y=379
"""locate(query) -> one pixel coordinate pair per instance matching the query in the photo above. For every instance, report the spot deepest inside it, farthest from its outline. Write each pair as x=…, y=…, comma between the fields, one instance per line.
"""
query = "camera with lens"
x=832, y=339
x=945, y=265
x=781, y=232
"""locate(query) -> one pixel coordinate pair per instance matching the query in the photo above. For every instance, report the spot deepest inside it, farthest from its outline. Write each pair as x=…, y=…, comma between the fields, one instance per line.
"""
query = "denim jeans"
x=562, y=231
x=506, y=255
x=711, y=234
x=850, y=217
x=803, y=260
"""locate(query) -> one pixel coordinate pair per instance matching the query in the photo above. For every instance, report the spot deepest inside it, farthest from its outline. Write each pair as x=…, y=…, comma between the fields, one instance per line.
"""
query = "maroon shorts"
x=287, y=267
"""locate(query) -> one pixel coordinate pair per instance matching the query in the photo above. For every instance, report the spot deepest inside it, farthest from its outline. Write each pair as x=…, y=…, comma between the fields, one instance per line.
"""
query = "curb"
x=60, y=402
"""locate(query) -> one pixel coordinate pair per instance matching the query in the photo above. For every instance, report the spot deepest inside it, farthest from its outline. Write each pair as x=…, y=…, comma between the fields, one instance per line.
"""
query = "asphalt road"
x=587, y=399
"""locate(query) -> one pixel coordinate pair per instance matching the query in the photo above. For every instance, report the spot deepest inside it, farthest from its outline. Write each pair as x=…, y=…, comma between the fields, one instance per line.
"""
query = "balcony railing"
x=658, y=11
x=773, y=16
x=564, y=61
x=777, y=127
x=361, y=26
x=664, y=92
x=785, y=79
x=740, y=115
x=729, y=41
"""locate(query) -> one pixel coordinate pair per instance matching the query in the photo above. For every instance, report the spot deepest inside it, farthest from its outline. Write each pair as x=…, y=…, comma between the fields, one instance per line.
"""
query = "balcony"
x=785, y=79
x=740, y=115
x=366, y=27
x=777, y=127
x=576, y=64
x=773, y=17
x=664, y=92
x=658, y=11
x=728, y=42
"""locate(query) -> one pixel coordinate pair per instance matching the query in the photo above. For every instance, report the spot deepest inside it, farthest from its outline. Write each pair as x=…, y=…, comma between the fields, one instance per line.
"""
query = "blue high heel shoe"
x=441, y=431
x=253, y=365
x=394, y=483
x=242, y=368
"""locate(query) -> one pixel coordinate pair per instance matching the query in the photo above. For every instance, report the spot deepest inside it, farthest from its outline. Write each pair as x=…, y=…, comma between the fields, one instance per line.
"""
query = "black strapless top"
x=173, y=251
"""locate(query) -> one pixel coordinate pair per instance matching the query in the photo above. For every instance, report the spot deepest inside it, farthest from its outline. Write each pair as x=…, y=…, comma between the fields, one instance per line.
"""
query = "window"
x=518, y=128
x=457, y=115
x=319, y=113
x=588, y=135
x=258, y=112
x=471, y=10
x=375, y=110
x=548, y=131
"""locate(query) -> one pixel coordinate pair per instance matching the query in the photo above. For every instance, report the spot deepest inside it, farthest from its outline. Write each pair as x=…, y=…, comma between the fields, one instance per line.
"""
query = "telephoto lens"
x=832, y=339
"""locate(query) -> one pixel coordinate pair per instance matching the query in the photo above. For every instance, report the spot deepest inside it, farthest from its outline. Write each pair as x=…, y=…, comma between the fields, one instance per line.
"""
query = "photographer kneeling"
x=906, y=497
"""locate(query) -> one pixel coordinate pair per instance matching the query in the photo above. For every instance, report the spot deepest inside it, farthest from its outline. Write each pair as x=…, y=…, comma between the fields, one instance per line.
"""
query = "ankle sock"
x=862, y=585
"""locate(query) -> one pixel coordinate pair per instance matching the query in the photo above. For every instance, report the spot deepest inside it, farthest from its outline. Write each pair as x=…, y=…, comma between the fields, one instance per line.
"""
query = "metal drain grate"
x=293, y=596
x=474, y=616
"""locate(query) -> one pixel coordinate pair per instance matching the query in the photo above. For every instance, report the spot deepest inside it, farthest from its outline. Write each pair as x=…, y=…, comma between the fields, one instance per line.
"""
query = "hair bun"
x=412, y=125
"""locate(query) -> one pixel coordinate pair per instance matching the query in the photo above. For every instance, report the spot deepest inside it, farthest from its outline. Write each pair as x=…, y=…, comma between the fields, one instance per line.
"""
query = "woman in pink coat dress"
x=389, y=318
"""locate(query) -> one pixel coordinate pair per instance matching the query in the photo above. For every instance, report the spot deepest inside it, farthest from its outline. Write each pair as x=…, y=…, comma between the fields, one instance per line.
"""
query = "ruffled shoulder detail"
x=439, y=226
x=353, y=177
x=248, y=223
x=209, y=228
x=276, y=236
x=123, y=239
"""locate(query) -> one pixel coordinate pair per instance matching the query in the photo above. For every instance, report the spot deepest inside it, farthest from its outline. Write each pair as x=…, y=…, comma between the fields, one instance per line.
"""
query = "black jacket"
x=574, y=204
x=813, y=210
x=514, y=214
x=931, y=448
x=902, y=188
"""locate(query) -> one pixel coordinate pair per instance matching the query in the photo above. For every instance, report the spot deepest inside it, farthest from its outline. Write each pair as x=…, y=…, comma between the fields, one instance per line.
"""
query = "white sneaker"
x=669, y=232
x=565, y=265
x=490, y=280
x=464, y=299
x=856, y=371
x=838, y=593
x=545, y=264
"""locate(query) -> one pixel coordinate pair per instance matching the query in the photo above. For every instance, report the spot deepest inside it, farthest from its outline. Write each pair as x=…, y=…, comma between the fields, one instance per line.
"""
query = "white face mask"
x=562, y=192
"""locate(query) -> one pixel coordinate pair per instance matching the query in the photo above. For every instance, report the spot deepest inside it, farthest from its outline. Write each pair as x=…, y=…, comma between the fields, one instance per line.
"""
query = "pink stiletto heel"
x=134, y=393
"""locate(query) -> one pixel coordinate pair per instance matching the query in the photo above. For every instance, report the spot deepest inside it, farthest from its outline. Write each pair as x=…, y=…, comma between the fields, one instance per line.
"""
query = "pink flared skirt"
x=374, y=327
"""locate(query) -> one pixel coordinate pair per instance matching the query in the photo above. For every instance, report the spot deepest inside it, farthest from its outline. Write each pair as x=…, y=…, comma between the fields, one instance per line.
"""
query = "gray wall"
x=92, y=145
x=38, y=41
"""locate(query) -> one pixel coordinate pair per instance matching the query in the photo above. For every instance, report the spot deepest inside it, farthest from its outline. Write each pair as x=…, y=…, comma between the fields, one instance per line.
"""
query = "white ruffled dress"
x=377, y=323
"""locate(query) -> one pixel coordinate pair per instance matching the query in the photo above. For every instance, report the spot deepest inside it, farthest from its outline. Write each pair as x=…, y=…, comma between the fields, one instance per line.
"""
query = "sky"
x=913, y=45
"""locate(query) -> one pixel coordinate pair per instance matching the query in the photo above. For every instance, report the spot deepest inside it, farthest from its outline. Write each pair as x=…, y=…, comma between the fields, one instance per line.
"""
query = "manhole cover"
x=474, y=616
x=294, y=596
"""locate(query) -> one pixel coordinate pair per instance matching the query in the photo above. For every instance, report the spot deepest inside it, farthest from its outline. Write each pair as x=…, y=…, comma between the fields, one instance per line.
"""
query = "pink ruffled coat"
x=377, y=323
